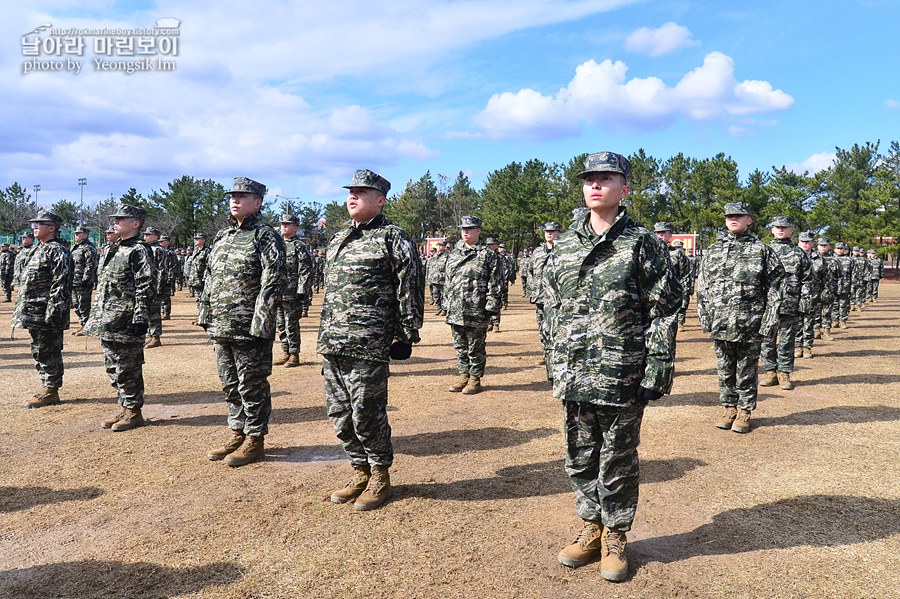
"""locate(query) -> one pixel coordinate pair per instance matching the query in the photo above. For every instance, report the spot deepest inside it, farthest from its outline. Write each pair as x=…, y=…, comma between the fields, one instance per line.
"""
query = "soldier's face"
x=79, y=237
x=550, y=236
x=126, y=227
x=199, y=242
x=665, y=236
x=806, y=246
x=244, y=204
x=111, y=237
x=288, y=230
x=470, y=235
x=27, y=241
x=782, y=232
x=165, y=243
x=737, y=223
x=604, y=191
x=150, y=238
x=823, y=248
x=364, y=203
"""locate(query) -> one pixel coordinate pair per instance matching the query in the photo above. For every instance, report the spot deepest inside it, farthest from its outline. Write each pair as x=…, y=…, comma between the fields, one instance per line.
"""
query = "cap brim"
x=584, y=174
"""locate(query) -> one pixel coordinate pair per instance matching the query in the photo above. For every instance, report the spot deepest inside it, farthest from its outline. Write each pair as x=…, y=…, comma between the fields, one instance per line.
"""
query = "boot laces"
x=615, y=542
x=586, y=534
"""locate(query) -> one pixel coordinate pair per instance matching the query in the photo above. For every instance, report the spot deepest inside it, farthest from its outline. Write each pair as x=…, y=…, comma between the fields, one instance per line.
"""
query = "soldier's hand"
x=139, y=329
x=400, y=350
x=645, y=395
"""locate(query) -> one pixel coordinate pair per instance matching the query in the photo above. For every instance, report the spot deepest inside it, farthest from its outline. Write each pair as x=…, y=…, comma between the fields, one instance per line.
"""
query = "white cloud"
x=663, y=40
x=892, y=103
x=601, y=94
x=815, y=163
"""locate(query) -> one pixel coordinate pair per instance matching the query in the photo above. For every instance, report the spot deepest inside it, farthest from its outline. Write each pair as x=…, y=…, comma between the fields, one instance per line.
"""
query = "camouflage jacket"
x=243, y=282
x=797, y=273
x=472, y=283
x=845, y=274
x=434, y=269
x=298, y=279
x=876, y=268
x=126, y=290
x=525, y=267
x=511, y=267
x=614, y=302
x=738, y=291
x=199, y=261
x=21, y=261
x=861, y=271
x=683, y=272
x=7, y=264
x=163, y=275
x=173, y=267
x=84, y=256
x=45, y=292
x=814, y=289
x=374, y=291
x=535, y=289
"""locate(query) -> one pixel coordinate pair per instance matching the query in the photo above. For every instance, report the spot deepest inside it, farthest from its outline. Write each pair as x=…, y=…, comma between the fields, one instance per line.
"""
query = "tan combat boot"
x=377, y=492
x=854, y=308
x=49, y=397
x=807, y=352
x=586, y=547
x=826, y=335
x=132, y=419
x=490, y=328
x=798, y=352
x=355, y=487
x=78, y=331
x=473, y=386
x=818, y=334
x=727, y=418
x=742, y=422
x=231, y=445
x=784, y=381
x=114, y=419
x=769, y=379
x=283, y=359
x=840, y=324
x=460, y=384
x=254, y=450
x=293, y=361
x=613, y=563
x=152, y=342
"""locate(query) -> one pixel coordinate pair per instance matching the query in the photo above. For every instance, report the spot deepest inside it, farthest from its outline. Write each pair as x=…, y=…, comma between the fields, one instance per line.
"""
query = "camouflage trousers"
x=46, y=349
x=504, y=294
x=859, y=293
x=165, y=305
x=682, y=313
x=825, y=314
x=287, y=318
x=81, y=301
x=806, y=329
x=872, y=291
x=777, y=349
x=471, y=353
x=244, y=368
x=7, y=287
x=155, y=325
x=524, y=285
x=543, y=324
x=841, y=310
x=737, y=361
x=437, y=294
x=356, y=394
x=602, y=461
x=124, y=367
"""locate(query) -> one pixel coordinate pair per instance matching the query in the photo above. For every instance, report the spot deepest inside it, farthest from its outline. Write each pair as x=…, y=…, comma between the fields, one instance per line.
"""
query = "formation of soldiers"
x=610, y=297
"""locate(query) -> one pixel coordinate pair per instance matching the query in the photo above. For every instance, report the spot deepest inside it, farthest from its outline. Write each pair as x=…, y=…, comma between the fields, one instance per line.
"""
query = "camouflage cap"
x=806, y=236
x=82, y=229
x=872, y=251
x=164, y=238
x=45, y=216
x=662, y=226
x=491, y=241
x=823, y=241
x=470, y=222
x=245, y=185
x=503, y=245
x=781, y=221
x=4, y=245
x=129, y=211
x=736, y=208
x=370, y=179
x=290, y=219
x=152, y=231
x=677, y=243
x=840, y=245
x=199, y=235
x=448, y=243
x=856, y=248
x=110, y=229
x=29, y=233
x=551, y=226
x=605, y=162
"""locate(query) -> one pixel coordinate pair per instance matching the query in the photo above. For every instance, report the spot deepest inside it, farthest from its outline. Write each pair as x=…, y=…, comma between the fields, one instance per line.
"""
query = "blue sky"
x=299, y=94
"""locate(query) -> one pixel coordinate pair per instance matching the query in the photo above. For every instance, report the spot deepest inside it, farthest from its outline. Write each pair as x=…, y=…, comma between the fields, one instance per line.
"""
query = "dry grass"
x=805, y=506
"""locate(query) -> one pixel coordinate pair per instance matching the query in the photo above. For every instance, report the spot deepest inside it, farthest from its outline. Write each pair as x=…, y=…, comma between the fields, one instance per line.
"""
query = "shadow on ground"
x=22, y=498
x=834, y=415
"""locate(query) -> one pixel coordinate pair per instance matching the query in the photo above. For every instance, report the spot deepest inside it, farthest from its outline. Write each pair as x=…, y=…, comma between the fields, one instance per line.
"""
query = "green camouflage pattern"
x=7, y=271
x=196, y=277
x=434, y=268
x=876, y=273
x=777, y=349
x=297, y=288
x=472, y=281
x=683, y=271
x=861, y=275
x=736, y=363
x=45, y=291
x=244, y=368
x=124, y=368
x=615, y=302
x=812, y=293
x=536, y=291
x=843, y=295
x=374, y=291
x=46, y=349
x=243, y=282
x=21, y=261
x=471, y=349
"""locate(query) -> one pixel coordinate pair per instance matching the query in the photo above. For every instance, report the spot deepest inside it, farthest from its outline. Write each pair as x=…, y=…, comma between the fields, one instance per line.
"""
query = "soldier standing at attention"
x=297, y=288
x=511, y=266
x=111, y=238
x=27, y=247
x=472, y=287
x=738, y=297
x=151, y=238
x=120, y=316
x=242, y=288
x=876, y=273
x=832, y=271
x=845, y=277
x=680, y=265
x=173, y=267
x=199, y=259
x=42, y=305
x=811, y=294
x=537, y=293
x=525, y=270
x=615, y=305
x=434, y=276
x=861, y=273
x=372, y=311
x=777, y=348
x=84, y=256
x=494, y=246
x=7, y=270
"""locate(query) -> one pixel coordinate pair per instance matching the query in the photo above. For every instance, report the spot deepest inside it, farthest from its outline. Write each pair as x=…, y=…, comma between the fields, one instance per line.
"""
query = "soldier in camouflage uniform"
x=297, y=288
x=25, y=250
x=537, y=294
x=111, y=238
x=84, y=256
x=120, y=316
x=811, y=293
x=861, y=273
x=876, y=273
x=199, y=260
x=494, y=246
x=42, y=305
x=825, y=318
x=511, y=267
x=371, y=312
x=845, y=276
x=681, y=266
x=472, y=286
x=7, y=270
x=525, y=270
x=434, y=276
x=173, y=267
x=777, y=348
x=242, y=288
x=151, y=238
x=615, y=306
x=738, y=298
x=320, y=270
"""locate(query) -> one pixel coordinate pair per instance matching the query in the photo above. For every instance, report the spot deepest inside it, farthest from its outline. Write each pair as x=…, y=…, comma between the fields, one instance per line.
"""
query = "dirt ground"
x=806, y=505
